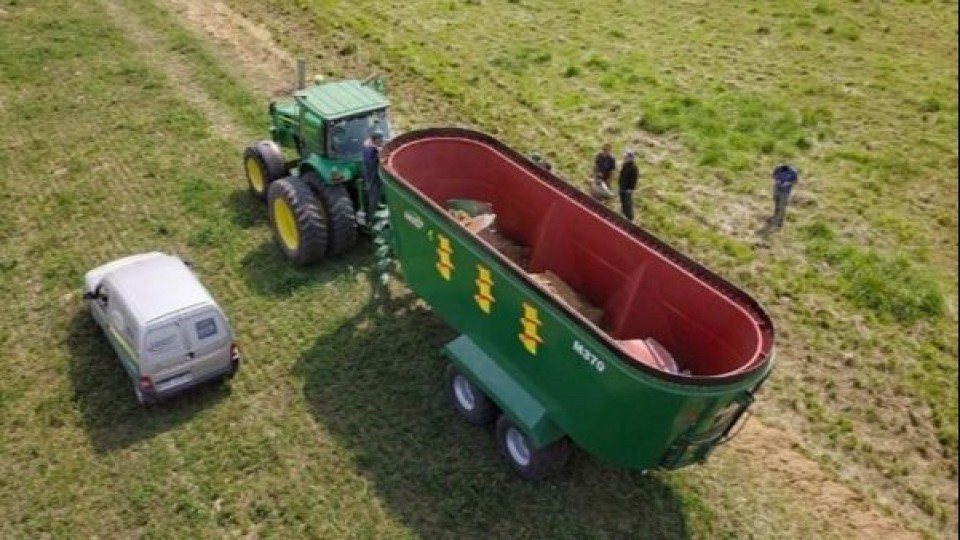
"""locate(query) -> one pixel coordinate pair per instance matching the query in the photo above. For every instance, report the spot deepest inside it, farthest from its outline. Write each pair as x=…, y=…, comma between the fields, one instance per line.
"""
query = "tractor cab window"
x=347, y=135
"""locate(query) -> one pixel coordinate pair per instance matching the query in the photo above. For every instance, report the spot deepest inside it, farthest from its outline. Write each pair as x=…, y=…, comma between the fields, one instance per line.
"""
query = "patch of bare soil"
x=149, y=46
x=852, y=514
x=251, y=49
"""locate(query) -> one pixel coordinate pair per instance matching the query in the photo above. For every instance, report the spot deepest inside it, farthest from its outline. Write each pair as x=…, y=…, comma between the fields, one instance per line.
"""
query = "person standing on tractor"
x=629, y=174
x=604, y=165
x=371, y=168
x=784, y=178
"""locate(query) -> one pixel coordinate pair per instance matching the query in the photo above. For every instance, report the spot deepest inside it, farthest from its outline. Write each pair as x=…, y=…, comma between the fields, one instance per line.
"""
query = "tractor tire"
x=263, y=164
x=529, y=463
x=340, y=216
x=298, y=221
x=472, y=404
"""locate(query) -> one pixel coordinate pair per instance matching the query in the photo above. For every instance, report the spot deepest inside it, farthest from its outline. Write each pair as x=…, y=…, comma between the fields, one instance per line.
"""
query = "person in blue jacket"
x=784, y=178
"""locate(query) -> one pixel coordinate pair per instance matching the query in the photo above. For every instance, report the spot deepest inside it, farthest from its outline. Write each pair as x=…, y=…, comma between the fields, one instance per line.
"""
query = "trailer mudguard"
x=525, y=410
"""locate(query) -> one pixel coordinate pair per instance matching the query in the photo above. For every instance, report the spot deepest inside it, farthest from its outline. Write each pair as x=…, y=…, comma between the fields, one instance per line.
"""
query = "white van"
x=168, y=331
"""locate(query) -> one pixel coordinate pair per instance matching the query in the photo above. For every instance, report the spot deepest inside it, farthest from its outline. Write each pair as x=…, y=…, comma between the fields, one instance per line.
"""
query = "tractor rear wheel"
x=263, y=164
x=298, y=220
x=341, y=219
x=530, y=463
x=468, y=400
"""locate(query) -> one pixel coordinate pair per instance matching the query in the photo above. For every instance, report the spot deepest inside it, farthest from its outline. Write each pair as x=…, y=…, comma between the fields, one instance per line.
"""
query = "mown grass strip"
x=216, y=81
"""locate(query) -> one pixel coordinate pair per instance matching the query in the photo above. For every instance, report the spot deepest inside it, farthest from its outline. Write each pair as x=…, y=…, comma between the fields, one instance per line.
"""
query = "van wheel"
x=530, y=463
x=263, y=164
x=298, y=220
x=341, y=218
x=472, y=404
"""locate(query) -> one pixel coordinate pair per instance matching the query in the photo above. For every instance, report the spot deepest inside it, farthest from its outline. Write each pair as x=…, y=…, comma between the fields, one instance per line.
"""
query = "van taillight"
x=234, y=353
x=146, y=384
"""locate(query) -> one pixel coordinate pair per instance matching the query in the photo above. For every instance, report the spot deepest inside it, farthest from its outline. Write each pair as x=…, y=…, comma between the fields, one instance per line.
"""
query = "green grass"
x=337, y=425
x=895, y=288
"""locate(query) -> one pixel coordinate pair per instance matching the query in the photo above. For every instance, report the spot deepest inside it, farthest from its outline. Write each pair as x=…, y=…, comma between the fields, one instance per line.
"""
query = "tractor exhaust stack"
x=301, y=73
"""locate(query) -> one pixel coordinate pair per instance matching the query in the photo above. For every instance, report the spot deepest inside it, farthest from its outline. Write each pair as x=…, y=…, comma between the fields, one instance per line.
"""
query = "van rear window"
x=206, y=328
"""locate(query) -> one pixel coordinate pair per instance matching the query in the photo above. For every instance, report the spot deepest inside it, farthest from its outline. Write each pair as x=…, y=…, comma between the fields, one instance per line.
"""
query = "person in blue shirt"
x=604, y=165
x=784, y=178
x=371, y=168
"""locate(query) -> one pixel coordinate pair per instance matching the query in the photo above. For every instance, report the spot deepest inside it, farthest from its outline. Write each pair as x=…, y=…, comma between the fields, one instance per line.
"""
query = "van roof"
x=156, y=286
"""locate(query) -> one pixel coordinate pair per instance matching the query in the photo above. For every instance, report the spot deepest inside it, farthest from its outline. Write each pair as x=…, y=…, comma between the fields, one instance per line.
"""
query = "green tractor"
x=319, y=200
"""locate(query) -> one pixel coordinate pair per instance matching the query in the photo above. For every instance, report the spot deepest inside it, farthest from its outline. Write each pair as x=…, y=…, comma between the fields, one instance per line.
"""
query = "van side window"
x=206, y=328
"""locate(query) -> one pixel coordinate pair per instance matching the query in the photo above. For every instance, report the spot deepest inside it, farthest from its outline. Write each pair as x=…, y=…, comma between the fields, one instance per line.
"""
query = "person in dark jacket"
x=604, y=165
x=371, y=170
x=629, y=174
x=784, y=178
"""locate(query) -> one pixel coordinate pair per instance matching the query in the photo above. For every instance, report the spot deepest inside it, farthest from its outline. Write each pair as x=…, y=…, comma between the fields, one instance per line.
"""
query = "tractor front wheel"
x=468, y=400
x=530, y=463
x=298, y=220
x=263, y=164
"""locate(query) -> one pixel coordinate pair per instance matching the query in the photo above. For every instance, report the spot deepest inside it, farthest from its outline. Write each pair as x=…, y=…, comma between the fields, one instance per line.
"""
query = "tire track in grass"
x=153, y=48
x=249, y=382
x=150, y=47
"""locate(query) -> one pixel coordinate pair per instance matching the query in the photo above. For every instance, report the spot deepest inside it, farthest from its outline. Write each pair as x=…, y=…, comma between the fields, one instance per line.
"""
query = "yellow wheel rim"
x=286, y=224
x=255, y=175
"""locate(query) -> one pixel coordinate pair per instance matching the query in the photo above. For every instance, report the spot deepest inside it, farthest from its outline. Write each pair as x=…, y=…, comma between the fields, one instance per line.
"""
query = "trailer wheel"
x=468, y=400
x=298, y=220
x=530, y=463
x=341, y=219
x=263, y=164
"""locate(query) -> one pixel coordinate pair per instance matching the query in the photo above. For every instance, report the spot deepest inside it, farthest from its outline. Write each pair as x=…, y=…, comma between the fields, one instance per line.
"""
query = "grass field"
x=121, y=127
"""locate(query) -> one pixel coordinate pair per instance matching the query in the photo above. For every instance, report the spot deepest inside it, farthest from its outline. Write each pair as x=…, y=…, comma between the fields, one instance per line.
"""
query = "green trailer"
x=652, y=360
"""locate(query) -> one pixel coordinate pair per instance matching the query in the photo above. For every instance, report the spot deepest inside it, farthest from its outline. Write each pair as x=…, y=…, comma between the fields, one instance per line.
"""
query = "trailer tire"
x=341, y=218
x=529, y=463
x=472, y=404
x=263, y=164
x=298, y=220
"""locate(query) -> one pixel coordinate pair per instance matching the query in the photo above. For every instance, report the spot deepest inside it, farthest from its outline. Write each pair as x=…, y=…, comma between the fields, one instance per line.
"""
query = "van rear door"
x=209, y=339
x=164, y=347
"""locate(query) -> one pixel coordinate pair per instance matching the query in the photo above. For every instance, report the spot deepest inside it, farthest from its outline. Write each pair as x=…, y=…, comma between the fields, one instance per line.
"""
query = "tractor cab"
x=327, y=123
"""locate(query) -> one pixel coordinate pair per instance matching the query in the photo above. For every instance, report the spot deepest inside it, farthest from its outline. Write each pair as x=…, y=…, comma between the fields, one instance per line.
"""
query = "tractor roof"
x=342, y=98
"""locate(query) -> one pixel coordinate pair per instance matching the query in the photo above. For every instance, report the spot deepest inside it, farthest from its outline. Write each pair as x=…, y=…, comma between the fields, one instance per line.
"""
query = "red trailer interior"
x=644, y=293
